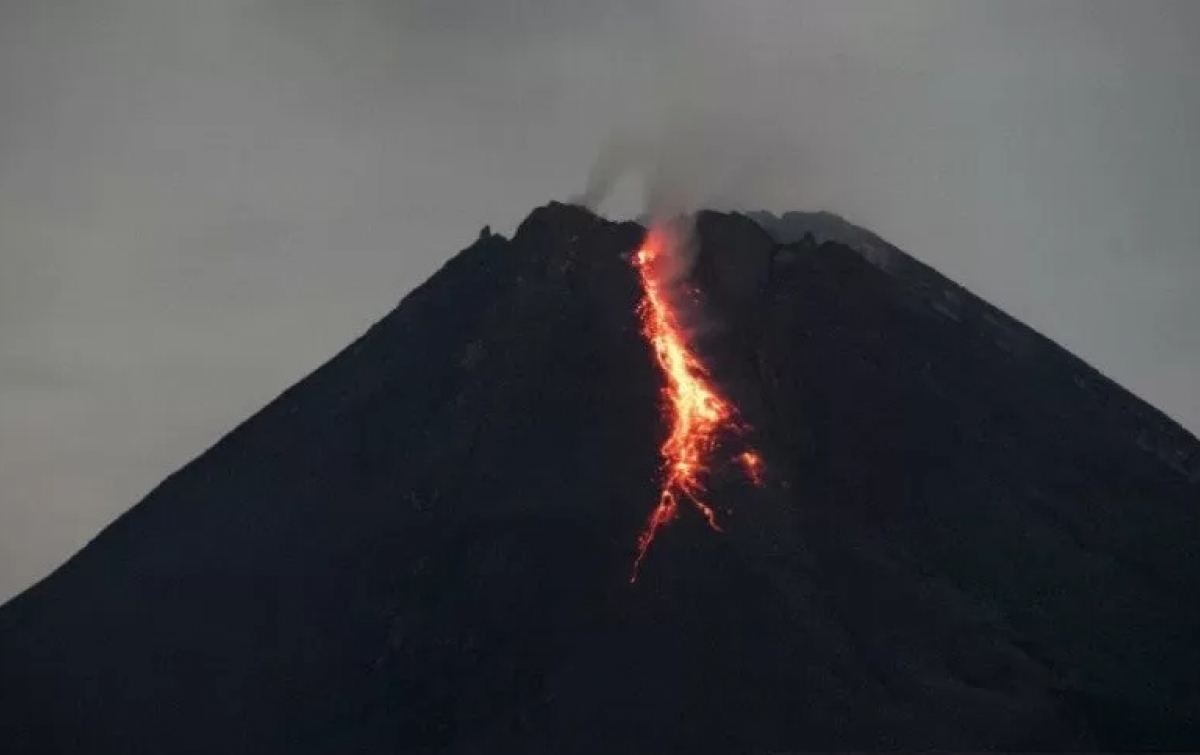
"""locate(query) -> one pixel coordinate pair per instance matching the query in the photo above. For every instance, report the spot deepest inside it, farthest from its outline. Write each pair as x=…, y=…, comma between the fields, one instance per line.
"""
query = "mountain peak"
x=967, y=539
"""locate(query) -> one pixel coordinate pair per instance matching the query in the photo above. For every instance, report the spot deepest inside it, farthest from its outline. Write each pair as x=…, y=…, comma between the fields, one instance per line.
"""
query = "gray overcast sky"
x=202, y=200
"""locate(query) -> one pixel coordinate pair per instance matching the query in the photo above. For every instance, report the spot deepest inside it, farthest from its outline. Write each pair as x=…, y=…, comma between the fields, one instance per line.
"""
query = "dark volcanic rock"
x=967, y=539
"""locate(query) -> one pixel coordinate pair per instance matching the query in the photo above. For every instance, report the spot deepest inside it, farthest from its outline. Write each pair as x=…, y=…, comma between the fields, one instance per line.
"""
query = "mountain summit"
x=964, y=537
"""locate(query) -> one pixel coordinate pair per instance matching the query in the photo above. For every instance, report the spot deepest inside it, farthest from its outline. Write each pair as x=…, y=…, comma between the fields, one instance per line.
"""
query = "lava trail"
x=698, y=415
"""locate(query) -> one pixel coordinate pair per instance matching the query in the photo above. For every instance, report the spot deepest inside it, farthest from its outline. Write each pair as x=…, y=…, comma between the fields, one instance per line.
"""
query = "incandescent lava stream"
x=694, y=409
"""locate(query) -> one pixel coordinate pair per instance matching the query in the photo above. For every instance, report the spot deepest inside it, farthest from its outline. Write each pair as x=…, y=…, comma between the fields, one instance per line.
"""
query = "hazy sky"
x=202, y=200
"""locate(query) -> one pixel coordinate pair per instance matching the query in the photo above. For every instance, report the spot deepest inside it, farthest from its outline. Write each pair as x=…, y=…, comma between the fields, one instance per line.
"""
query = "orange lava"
x=752, y=465
x=692, y=406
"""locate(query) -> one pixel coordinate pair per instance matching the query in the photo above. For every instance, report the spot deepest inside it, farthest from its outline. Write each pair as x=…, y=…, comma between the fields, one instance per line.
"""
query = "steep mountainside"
x=966, y=538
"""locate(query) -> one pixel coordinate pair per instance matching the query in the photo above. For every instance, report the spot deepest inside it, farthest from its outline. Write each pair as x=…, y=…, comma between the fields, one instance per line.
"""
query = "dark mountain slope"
x=1151, y=429
x=424, y=546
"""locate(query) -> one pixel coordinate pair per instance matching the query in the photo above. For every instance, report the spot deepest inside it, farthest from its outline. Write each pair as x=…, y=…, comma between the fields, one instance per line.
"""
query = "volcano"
x=961, y=536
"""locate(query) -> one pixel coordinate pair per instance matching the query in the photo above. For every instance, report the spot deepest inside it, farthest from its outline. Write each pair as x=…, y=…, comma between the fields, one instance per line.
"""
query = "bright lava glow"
x=752, y=465
x=696, y=412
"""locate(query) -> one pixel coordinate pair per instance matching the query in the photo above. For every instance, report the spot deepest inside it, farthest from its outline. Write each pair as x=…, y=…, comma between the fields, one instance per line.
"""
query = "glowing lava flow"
x=752, y=465
x=696, y=412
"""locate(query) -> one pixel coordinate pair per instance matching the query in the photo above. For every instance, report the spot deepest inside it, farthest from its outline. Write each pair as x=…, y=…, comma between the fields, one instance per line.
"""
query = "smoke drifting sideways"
x=668, y=213
x=692, y=161
x=692, y=135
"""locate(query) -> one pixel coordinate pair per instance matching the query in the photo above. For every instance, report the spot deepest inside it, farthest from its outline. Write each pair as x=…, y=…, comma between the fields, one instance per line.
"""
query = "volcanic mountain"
x=964, y=538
